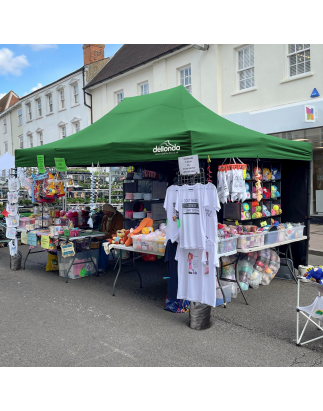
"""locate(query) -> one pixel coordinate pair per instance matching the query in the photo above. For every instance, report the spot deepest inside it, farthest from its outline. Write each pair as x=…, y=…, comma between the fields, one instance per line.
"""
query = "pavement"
x=46, y=322
x=316, y=239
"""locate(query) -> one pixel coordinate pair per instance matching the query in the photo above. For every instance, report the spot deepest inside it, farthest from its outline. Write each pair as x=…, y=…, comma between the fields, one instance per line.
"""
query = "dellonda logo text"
x=166, y=148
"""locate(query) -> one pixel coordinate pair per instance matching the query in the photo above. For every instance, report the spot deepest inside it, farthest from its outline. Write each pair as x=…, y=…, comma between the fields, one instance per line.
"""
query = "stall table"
x=241, y=251
x=87, y=236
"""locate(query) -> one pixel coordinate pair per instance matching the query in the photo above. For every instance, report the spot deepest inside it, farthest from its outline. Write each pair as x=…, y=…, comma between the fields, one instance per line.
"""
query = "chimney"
x=92, y=53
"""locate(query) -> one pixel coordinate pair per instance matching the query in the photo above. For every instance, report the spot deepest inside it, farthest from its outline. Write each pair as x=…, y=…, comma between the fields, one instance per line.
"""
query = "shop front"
x=302, y=121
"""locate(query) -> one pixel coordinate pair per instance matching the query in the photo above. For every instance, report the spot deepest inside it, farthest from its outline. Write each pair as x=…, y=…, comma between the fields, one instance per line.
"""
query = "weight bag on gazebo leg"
x=200, y=316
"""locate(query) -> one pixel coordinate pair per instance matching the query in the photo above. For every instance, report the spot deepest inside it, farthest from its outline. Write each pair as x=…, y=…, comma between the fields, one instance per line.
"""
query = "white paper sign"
x=189, y=165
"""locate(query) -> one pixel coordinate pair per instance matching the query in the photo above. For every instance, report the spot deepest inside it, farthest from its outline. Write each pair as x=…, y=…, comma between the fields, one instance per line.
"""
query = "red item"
x=149, y=257
x=5, y=213
x=57, y=213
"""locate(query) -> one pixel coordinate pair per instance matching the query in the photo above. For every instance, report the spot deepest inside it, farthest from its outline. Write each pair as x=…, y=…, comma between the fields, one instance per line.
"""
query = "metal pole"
x=109, y=185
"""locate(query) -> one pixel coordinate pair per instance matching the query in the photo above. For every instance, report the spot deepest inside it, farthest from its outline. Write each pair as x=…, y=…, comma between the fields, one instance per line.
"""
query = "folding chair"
x=311, y=312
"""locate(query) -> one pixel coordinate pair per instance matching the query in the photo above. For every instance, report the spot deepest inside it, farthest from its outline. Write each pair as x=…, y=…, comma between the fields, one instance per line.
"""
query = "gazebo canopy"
x=162, y=126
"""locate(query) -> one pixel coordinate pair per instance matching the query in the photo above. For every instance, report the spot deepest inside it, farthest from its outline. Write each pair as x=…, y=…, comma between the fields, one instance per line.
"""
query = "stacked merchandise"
x=12, y=215
x=192, y=223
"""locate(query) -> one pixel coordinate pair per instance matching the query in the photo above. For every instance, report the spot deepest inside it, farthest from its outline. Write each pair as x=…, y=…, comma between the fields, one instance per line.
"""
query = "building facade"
x=53, y=112
x=266, y=88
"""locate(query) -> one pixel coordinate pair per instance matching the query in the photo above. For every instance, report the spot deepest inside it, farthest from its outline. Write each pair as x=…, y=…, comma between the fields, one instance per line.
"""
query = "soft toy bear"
x=275, y=175
x=247, y=190
x=266, y=174
x=315, y=274
x=274, y=192
x=266, y=192
x=265, y=211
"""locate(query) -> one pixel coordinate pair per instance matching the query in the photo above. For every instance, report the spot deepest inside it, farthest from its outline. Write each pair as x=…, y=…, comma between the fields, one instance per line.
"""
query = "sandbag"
x=200, y=316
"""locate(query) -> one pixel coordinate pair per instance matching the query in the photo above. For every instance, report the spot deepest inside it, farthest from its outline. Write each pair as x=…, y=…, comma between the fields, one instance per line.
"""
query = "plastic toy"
x=315, y=274
x=275, y=175
x=266, y=174
x=265, y=210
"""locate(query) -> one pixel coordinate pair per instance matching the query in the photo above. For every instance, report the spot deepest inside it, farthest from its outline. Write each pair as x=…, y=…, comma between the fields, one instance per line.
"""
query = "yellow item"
x=52, y=263
x=147, y=230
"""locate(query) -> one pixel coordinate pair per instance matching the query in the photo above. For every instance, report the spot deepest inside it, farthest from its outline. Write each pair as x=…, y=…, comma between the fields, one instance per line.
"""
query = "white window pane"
x=242, y=85
x=300, y=57
x=242, y=75
x=307, y=66
x=299, y=47
x=306, y=46
x=246, y=60
x=240, y=59
x=186, y=72
x=248, y=83
x=293, y=59
x=292, y=48
x=293, y=70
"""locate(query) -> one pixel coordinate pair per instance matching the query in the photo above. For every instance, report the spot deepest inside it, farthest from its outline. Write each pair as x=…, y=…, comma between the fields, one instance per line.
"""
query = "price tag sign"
x=32, y=239
x=44, y=241
x=23, y=238
x=41, y=164
x=189, y=165
x=60, y=164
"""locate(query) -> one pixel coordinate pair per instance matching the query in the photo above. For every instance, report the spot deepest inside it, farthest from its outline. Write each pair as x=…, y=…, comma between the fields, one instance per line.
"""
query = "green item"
x=162, y=126
x=67, y=233
x=41, y=164
x=60, y=164
x=178, y=223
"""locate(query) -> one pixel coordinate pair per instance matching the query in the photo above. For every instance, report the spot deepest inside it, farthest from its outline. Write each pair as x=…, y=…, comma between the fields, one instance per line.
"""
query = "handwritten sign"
x=60, y=164
x=23, y=238
x=189, y=165
x=41, y=164
x=44, y=241
x=32, y=239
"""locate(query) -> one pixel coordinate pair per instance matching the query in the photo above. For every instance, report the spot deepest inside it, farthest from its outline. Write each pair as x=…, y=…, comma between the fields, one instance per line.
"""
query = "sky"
x=26, y=67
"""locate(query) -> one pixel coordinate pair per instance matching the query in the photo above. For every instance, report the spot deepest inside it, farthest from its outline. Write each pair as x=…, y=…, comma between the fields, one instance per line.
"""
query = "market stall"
x=150, y=133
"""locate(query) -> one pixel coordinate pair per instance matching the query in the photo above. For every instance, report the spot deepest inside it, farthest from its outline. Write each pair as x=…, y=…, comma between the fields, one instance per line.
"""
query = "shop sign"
x=60, y=164
x=166, y=148
x=189, y=165
x=310, y=114
x=41, y=164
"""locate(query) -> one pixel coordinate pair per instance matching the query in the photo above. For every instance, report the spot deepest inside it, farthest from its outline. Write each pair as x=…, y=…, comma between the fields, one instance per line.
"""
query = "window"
x=76, y=93
x=5, y=146
x=299, y=59
x=62, y=99
x=185, y=78
x=31, y=141
x=119, y=97
x=39, y=109
x=21, y=142
x=77, y=127
x=143, y=88
x=20, y=117
x=4, y=126
x=41, y=141
x=50, y=103
x=63, y=131
x=246, y=72
x=29, y=113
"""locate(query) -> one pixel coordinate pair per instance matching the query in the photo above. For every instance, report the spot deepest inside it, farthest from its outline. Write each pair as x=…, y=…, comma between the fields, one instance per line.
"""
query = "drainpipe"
x=85, y=93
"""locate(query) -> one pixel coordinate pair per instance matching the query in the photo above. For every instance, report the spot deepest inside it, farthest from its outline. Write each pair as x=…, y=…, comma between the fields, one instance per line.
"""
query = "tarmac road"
x=46, y=322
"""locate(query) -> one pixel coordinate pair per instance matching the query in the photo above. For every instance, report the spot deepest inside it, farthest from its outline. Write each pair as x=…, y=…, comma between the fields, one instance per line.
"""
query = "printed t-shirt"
x=212, y=222
x=172, y=215
x=196, y=276
x=191, y=203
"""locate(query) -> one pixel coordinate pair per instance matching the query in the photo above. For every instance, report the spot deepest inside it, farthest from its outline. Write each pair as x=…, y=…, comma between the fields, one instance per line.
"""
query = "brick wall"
x=92, y=53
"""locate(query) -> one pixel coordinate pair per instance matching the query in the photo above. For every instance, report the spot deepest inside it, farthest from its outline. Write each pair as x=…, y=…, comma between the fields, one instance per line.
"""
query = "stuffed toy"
x=265, y=211
x=275, y=174
x=245, y=207
x=315, y=274
x=273, y=212
x=274, y=192
x=247, y=190
x=266, y=192
x=277, y=209
x=266, y=174
x=243, y=215
x=146, y=222
x=248, y=176
x=257, y=173
x=258, y=190
x=248, y=215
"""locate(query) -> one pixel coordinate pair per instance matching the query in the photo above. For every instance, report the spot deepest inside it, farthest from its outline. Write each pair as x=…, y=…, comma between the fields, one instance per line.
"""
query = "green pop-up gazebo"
x=162, y=126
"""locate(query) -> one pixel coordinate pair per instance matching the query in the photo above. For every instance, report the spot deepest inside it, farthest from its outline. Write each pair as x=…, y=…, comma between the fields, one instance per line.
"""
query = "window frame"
x=5, y=143
x=238, y=70
x=29, y=112
x=77, y=125
x=62, y=134
x=62, y=101
x=117, y=93
x=30, y=140
x=41, y=138
x=21, y=142
x=5, y=127
x=142, y=85
x=50, y=103
x=182, y=69
x=75, y=85
x=39, y=108
x=19, y=116
x=288, y=65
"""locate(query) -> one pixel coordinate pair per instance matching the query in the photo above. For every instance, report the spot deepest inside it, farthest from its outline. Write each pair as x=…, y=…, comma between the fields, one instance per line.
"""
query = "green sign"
x=60, y=164
x=41, y=164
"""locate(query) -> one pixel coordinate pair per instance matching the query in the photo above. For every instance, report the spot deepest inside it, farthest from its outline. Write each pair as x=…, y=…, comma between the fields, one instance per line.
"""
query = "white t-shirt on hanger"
x=196, y=276
x=172, y=215
x=212, y=222
x=191, y=203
